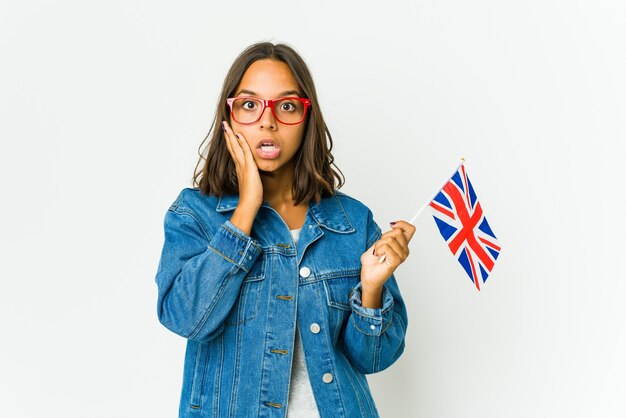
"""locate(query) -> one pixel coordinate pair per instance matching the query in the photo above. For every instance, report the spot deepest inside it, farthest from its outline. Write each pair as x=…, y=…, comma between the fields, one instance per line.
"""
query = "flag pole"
x=425, y=205
x=437, y=191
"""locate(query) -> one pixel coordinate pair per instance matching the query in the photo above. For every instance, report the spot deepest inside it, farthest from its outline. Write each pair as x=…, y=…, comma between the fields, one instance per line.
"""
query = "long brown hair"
x=314, y=177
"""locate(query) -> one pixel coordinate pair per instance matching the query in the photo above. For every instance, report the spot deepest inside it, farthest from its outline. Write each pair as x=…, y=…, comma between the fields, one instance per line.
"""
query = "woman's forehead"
x=268, y=79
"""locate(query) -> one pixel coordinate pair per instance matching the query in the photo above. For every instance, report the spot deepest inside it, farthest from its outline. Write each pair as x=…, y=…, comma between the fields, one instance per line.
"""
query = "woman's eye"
x=249, y=102
x=288, y=106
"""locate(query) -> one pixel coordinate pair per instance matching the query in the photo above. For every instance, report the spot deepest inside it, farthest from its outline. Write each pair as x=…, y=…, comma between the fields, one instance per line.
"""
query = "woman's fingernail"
x=223, y=127
x=392, y=223
x=374, y=251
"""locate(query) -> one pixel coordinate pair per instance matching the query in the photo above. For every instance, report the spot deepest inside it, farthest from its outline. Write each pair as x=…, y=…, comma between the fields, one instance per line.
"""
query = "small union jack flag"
x=463, y=225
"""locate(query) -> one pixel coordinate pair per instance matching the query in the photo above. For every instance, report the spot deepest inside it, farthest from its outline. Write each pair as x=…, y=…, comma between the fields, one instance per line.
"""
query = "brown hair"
x=314, y=177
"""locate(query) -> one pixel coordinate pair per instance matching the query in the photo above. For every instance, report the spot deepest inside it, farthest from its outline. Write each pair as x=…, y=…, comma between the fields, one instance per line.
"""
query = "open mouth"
x=268, y=151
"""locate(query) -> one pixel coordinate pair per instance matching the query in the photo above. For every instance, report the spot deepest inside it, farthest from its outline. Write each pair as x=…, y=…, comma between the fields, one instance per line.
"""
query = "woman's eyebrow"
x=284, y=93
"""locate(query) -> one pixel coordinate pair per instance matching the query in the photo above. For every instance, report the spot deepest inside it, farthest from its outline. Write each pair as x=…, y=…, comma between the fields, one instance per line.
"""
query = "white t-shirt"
x=301, y=402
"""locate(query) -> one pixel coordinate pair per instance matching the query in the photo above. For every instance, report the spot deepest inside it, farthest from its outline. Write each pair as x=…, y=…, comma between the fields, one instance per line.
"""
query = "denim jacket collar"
x=328, y=213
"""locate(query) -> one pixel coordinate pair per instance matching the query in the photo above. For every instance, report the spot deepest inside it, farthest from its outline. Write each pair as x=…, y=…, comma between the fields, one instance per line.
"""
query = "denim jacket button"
x=315, y=328
x=305, y=272
x=327, y=378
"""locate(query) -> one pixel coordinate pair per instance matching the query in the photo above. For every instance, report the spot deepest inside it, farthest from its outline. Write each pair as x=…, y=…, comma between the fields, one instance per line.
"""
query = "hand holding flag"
x=394, y=245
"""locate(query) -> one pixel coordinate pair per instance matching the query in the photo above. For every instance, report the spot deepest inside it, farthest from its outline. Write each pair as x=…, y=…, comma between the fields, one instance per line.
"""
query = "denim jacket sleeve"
x=200, y=274
x=374, y=337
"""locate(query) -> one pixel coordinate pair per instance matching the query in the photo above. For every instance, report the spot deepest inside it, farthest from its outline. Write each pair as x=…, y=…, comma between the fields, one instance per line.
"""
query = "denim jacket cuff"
x=235, y=246
x=371, y=321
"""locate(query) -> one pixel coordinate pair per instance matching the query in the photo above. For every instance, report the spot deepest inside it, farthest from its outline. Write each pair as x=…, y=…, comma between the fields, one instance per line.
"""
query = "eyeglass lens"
x=248, y=110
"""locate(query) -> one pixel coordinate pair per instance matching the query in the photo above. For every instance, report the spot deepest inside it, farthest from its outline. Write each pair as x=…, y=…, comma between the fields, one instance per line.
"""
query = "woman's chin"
x=271, y=168
x=267, y=169
x=267, y=173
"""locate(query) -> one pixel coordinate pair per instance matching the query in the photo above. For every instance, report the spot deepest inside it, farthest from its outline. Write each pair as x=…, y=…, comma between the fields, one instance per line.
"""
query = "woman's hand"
x=394, y=244
x=248, y=179
x=250, y=185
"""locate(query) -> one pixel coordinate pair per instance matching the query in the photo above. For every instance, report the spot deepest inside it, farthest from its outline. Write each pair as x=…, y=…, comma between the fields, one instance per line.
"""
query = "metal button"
x=305, y=272
x=315, y=327
x=327, y=378
x=372, y=326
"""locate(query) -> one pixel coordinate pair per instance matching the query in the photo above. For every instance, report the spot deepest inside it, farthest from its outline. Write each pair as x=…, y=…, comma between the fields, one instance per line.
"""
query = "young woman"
x=270, y=273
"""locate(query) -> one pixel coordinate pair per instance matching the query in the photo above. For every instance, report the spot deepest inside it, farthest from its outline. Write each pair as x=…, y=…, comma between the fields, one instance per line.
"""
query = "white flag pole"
x=425, y=205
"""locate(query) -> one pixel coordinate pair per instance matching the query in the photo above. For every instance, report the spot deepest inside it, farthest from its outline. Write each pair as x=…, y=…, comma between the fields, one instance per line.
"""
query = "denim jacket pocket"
x=200, y=367
x=338, y=292
x=247, y=303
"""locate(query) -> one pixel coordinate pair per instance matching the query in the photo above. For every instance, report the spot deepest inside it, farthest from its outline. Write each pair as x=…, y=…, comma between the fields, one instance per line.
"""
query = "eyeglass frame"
x=269, y=103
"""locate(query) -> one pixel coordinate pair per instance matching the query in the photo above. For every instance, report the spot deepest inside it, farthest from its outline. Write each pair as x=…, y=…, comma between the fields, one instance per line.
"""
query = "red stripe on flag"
x=466, y=234
x=442, y=209
x=469, y=255
x=467, y=199
x=490, y=244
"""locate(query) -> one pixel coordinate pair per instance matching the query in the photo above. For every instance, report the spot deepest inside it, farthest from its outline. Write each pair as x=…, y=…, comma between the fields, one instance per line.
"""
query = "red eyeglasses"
x=286, y=110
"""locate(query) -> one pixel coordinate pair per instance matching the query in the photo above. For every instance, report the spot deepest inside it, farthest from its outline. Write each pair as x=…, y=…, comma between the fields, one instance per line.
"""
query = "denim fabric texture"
x=237, y=299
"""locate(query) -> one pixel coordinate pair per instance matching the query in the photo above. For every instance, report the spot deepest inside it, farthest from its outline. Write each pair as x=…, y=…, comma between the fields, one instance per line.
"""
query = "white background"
x=104, y=106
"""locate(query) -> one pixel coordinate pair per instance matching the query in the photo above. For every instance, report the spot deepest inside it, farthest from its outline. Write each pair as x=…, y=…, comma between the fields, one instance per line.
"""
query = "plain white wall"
x=104, y=105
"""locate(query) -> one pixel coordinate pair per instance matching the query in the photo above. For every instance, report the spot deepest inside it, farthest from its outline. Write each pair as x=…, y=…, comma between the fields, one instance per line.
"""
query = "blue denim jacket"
x=237, y=298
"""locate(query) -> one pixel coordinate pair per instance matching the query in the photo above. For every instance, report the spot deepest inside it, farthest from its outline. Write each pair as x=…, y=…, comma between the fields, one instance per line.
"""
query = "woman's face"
x=268, y=79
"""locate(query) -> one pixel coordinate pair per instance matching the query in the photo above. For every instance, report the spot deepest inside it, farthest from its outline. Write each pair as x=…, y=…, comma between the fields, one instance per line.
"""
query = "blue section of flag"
x=472, y=195
x=443, y=200
x=457, y=180
x=445, y=230
x=466, y=264
x=484, y=273
x=493, y=252
x=484, y=226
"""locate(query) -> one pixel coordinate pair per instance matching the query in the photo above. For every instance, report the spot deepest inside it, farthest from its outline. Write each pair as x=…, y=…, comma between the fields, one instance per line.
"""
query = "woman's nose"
x=267, y=118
